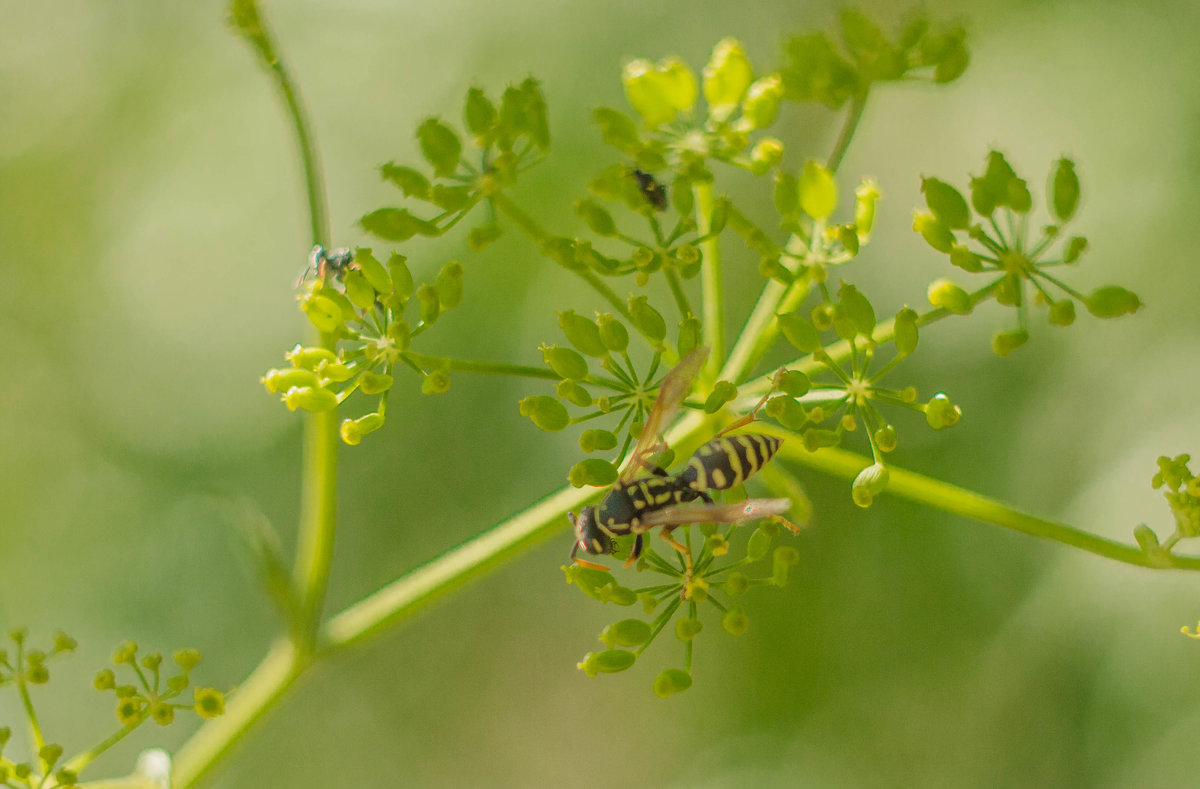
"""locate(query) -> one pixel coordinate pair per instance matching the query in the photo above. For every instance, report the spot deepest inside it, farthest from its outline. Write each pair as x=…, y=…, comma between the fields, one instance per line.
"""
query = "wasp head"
x=588, y=534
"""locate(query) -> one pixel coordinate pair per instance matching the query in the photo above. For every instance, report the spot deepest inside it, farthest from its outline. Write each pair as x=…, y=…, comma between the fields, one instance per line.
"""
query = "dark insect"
x=651, y=189
x=325, y=261
x=635, y=506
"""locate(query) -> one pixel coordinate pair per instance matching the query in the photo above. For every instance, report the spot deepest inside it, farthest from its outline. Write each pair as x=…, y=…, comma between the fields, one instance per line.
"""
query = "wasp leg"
x=635, y=552
x=785, y=523
x=657, y=471
x=750, y=417
x=684, y=552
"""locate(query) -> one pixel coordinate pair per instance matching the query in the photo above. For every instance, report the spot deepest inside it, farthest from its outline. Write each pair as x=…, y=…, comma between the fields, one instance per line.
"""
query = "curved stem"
x=849, y=126
x=711, y=289
x=951, y=498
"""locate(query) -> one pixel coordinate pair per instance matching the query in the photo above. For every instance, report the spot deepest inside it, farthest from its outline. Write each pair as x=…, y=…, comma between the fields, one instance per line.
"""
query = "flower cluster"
x=149, y=697
x=1005, y=248
x=817, y=71
x=716, y=580
x=1181, y=489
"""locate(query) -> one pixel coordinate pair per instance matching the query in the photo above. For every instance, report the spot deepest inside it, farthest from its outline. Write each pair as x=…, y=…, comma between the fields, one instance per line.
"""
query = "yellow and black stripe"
x=727, y=462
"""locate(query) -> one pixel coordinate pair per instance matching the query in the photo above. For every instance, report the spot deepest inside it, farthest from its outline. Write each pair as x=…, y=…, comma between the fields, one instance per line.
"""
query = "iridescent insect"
x=651, y=189
x=324, y=261
x=635, y=506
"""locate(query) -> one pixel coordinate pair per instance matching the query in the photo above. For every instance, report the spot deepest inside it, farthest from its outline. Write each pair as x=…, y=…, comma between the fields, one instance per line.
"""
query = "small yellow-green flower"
x=210, y=702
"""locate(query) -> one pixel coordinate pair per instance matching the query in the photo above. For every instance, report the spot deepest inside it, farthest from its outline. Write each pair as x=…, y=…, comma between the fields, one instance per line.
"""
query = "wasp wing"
x=675, y=387
x=732, y=512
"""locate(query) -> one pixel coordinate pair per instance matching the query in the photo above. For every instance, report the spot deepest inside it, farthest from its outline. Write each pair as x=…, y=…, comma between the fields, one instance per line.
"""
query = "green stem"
x=681, y=299
x=849, y=126
x=34, y=728
x=482, y=368
x=81, y=761
x=278, y=670
x=711, y=289
x=950, y=498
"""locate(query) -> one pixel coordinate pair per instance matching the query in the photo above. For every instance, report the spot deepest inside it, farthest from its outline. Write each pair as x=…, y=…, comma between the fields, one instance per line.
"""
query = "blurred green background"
x=152, y=224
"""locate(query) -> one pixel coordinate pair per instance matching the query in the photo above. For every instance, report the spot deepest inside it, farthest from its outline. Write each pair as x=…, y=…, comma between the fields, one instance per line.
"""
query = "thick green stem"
x=950, y=498
x=259, y=693
x=711, y=289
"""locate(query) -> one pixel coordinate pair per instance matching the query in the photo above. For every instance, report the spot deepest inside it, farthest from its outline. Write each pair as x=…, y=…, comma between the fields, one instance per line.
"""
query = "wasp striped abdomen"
x=729, y=461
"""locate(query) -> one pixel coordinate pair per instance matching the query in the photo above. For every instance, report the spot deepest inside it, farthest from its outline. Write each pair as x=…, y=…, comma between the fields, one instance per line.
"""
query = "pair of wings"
x=675, y=388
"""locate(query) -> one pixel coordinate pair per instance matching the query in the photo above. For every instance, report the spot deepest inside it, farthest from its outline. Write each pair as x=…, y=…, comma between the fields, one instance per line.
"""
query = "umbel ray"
x=637, y=505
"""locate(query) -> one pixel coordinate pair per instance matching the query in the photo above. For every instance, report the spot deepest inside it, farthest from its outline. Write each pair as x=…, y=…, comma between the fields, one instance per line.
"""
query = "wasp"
x=651, y=189
x=637, y=505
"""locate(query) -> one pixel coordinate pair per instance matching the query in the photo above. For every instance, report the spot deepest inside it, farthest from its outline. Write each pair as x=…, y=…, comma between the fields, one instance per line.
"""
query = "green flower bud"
x=722, y=393
x=1018, y=197
x=1147, y=540
x=358, y=290
x=105, y=680
x=815, y=439
x=450, y=198
x=440, y=146
x=324, y=313
x=592, y=471
x=596, y=217
x=617, y=129
x=597, y=440
x=481, y=237
x=430, y=304
x=869, y=483
x=1005, y=342
x=735, y=622
x=965, y=259
x=280, y=380
x=374, y=383
x=847, y=236
x=582, y=333
x=650, y=92
x=686, y=628
x=162, y=713
x=865, y=197
x=758, y=545
x=310, y=398
x=794, y=383
x=785, y=558
x=736, y=584
x=350, y=432
x=905, y=331
x=671, y=681
x=449, y=285
x=766, y=153
x=940, y=412
x=818, y=190
x=646, y=319
x=857, y=308
x=373, y=270
x=944, y=293
x=1111, y=301
x=1062, y=313
x=1064, y=190
x=727, y=77
x=885, y=438
x=946, y=203
x=787, y=412
x=402, y=281
x=573, y=393
x=66, y=778
x=129, y=710
x=479, y=115
x=437, y=382
x=309, y=357
x=610, y=661
x=411, y=182
x=934, y=231
x=564, y=361
x=1075, y=247
x=545, y=412
x=152, y=661
x=689, y=335
x=399, y=333
x=679, y=83
x=761, y=104
x=626, y=633
x=787, y=194
x=799, y=332
x=995, y=180
x=187, y=659
x=719, y=216
x=396, y=224
x=208, y=702
x=49, y=755
x=613, y=334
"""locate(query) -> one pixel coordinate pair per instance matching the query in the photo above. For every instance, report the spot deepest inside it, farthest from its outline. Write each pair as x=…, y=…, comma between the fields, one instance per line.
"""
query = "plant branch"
x=951, y=498
x=711, y=289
